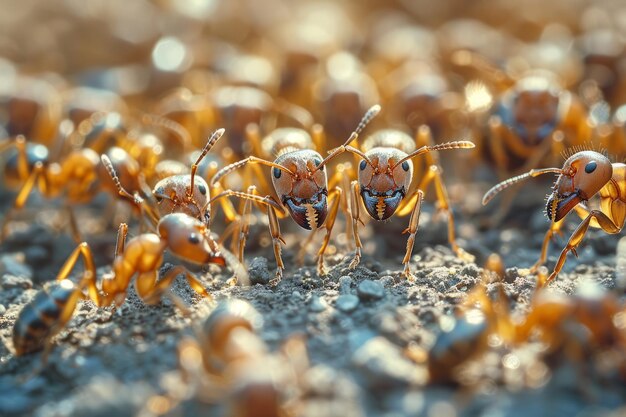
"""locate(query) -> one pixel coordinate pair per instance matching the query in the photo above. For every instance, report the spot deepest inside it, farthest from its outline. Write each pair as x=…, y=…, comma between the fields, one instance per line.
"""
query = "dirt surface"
x=359, y=326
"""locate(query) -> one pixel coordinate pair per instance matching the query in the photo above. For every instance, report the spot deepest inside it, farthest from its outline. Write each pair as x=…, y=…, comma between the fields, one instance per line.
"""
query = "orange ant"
x=384, y=184
x=78, y=176
x=584, y=174
x=303, y=192
x=141, y=256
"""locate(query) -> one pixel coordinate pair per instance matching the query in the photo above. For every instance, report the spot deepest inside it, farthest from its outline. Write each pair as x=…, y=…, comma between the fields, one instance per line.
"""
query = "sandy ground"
x=358, y=326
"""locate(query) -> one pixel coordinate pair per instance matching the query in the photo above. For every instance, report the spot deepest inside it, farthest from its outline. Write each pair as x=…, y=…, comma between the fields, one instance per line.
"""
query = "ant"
x=235, y=107
x=583, y=175
x=49, y=312
x=303, y=191
x=466, y=335
x=385, y=182
x=228, y=360
x=29, y=106
x=78, y=176
x=142, y=137
x=187, y=193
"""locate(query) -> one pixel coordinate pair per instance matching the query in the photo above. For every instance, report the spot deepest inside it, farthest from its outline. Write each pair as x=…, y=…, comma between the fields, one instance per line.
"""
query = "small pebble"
x=12, y=281
x=3, y=310
x=317, y=304
x=259, y=272
x=382, y=365
x=370, y=290
x=12, y=264
x=387, y=281
x=345, y=284
x=347, y=303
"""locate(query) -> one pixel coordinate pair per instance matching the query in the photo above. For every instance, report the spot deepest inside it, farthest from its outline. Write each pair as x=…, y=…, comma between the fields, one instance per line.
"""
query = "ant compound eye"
x=363, y=164
x=590, y=167
x=317, y=162
x=405, y=166
x=194, y=239
x=277, y=173
x=202, y=189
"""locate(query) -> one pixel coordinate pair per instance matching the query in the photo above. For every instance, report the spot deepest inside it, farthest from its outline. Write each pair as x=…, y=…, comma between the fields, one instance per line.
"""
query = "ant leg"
x=89, y=277
x=412, y=230
x=120, y=242
x=244, y=229
x=341, y=178
x=330, y=222
x=434, y=174
x=22, y=196
x=277, y=239
x=227, y=206
x=73, y=224
x=354, y=209
x=605, y=223
x=272, y=206
x=239, y=241
x=555, y=228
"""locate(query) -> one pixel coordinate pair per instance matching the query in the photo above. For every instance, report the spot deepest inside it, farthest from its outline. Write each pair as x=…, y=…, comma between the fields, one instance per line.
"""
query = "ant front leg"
x=277, y=239
x=434, y=174
x=412, y=230
x=272, y=206
x=89, y=277
x=356, y=219
x=555, y=228
x=330, y=222
x=605, y=223
x=22, y=196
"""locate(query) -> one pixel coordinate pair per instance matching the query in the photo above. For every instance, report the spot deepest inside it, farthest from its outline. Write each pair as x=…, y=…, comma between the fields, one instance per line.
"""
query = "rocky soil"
x=359, y=326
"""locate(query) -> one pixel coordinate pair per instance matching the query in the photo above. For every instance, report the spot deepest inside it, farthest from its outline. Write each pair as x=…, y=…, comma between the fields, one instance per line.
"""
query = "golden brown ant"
x=187, y=193
x=385, y=182
x=141, y=256
x=78, y=176
x=584, y=174
x=303, y=191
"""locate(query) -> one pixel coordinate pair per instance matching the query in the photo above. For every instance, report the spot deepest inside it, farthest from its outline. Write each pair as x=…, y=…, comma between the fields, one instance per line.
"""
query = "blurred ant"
x=466, y=335
x=228, y=361
x=141, y=256
x=235, y=108
x=385, y=183
x=30, y=107
x=143, y=138
x=303, y=191
x=78, y=176
x=584, y=174
x=344, y=94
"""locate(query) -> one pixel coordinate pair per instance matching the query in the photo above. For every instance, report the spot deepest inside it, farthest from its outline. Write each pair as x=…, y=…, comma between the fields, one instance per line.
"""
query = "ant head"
x=583, y=175
x=384, y=183
x=173, y=196
x=303, y=189
x=188, y=239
